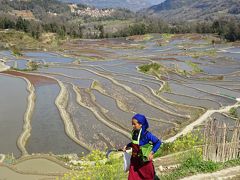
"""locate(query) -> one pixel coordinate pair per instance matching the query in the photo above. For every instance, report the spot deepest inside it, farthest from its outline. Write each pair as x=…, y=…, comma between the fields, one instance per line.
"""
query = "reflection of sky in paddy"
x=40, y=54
x=179, y=65
x=13, y=103
x=202, y=49
x=191, y=101
x=103, y=63
x=235, y=56
x=81, y=73
x=48, y=133
x=84, y=120
x=177, y=41
x=49, y=57
x=215, y=90
x=22, y=64
x=83, y=83
x=155, y=85
x=231, y=50
x=179, y=89
x=220, y=69
x=127, y=68
x=161, y=50
x=110, y=104
x=8, y=54
x=10, y=63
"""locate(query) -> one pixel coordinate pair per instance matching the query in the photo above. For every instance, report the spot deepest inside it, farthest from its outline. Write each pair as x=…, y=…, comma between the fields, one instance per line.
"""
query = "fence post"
x=224, y=130
x=221, y=144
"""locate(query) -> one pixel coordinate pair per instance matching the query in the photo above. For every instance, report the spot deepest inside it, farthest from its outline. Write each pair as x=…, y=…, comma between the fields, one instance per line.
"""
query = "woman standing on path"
x=141, y=166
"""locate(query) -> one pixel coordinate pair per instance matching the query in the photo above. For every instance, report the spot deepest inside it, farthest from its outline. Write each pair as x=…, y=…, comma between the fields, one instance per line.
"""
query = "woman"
x=141, y=166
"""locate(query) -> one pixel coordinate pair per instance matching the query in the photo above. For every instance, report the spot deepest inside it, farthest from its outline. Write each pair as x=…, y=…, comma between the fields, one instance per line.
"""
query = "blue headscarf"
x=141, y=120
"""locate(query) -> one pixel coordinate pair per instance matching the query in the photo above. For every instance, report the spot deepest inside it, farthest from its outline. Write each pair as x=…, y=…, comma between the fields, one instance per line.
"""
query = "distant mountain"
x=129, y=4
x=190, y=10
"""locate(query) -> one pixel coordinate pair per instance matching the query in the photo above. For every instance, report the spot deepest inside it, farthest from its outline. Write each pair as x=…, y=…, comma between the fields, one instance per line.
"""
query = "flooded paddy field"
x=13, y=99
x=47, y=126
x=85, y=96
x=192, y=101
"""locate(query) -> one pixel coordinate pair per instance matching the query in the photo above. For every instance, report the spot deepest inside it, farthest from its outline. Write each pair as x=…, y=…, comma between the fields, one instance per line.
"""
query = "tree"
x=6, y=23
x=137, y=29
x=232, y=32
x=101, y=29
x=22, y=24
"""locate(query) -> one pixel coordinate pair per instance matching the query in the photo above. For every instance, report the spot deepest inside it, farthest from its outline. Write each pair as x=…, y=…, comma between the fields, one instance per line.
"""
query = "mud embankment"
x=98, y=116
x=3, y=67
x=61, y=103
x=2, y=157
x=202, y=119
x=22, y=140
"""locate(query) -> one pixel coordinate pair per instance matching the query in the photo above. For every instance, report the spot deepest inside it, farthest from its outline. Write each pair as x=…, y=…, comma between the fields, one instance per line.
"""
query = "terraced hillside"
x=195, y=10
x=83, y=97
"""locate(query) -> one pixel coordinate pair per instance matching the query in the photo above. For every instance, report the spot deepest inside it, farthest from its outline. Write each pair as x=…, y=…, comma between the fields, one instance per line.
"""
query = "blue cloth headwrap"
x=141, y=120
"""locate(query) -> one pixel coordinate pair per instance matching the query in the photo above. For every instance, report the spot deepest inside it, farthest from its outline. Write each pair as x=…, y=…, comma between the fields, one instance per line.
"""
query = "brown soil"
x=136, y=38
x=36, y=80
x=24, y=14
x=164, y=59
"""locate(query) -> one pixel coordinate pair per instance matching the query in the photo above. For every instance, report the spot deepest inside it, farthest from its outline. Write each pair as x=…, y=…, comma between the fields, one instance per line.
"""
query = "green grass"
x=111, y=169
x=147, y=37
x=187, y=142
x=193, y=164
x=195, y=67
x=166, y=36
x=19, y=40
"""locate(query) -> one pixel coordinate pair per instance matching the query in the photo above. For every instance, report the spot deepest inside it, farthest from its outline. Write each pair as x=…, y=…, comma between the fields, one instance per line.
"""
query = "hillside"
x=192, y=10
x=56, y=11
x=44, y=10
x=129, y=4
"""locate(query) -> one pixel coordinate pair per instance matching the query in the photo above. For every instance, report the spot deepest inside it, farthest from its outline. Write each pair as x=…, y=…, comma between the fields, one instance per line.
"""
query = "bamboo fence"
x=222, y=142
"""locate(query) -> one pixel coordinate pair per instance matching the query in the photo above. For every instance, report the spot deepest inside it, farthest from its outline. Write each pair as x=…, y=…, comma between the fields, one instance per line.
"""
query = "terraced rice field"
x=83, y=98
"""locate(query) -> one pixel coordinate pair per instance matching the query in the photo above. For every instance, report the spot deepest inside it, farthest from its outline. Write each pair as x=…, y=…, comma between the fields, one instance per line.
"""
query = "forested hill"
x=39, y=16
x=190, y=10
x=35, y=9
x=56, y=11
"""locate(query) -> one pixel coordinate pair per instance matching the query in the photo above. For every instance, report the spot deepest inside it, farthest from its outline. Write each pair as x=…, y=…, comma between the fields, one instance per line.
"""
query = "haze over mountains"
x=133, y=5
x=181, y=10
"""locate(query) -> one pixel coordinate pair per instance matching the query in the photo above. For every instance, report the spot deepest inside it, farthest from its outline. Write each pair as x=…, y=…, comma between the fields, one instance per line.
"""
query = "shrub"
x=96, y=168
x=147, y=67
x=16, y=51
x=33, y=65
x=187, y=142
x=233, y=112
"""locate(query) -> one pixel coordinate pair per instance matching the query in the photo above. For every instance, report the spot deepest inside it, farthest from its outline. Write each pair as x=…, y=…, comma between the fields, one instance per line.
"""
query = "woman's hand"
x=124, y=148
x=150, y=156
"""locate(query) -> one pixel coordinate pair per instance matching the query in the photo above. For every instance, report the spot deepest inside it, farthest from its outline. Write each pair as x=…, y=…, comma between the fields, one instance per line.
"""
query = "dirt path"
x=202, y=119
x=2, y=157
x=228, y=173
